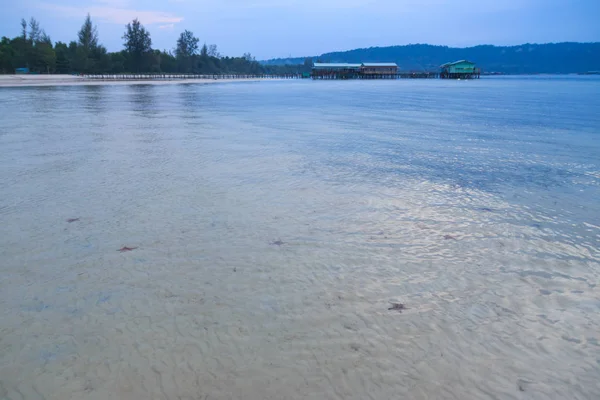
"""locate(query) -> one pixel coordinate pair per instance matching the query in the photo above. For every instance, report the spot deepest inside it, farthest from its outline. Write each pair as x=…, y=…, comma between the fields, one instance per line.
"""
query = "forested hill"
x=554, y=58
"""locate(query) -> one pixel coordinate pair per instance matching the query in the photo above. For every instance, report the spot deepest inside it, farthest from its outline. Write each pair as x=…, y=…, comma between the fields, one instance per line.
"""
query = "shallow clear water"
x=475, y=204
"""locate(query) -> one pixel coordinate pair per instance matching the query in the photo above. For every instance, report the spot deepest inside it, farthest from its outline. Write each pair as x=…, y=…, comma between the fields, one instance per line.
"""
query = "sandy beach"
x=72, y=80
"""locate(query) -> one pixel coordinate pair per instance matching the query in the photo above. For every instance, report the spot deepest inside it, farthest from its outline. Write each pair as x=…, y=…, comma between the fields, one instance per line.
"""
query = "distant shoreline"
x=73, y=80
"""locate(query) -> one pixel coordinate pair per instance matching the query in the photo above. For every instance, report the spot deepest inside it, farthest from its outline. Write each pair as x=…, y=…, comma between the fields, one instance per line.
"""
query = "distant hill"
x=553, y=58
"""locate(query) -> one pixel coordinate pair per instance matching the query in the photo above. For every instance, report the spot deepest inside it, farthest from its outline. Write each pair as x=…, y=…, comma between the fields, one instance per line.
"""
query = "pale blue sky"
x=280, y=28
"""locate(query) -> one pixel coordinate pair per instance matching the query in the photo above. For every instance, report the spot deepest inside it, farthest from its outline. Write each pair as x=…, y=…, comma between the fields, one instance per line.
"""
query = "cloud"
x=114, y=3
x=166, y=27
x=115, y=11
x=296, y=4
x=384, y=6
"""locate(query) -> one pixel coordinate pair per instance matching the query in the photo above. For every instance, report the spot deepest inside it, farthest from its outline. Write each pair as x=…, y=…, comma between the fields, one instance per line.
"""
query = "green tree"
x=153, y=61
x=45, y=38
x=21, y=49
x=89, y=57
x=63, y=64
x=138, y=45
x=213, y=51
x=118, y=62
x=187, y=45
x=33, y=49
x=23, y=29
x=168, y=62
x=185, y=52
x=88, y=35
x=101, y=58
x=204, y=51
x=45, y=57
x=45, y=53
x=72, y=51
x=6, y=56
x=34, y=30
x=79, y=61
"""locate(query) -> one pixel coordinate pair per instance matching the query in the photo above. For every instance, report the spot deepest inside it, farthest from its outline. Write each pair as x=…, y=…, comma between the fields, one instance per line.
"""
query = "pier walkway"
x=129, y=77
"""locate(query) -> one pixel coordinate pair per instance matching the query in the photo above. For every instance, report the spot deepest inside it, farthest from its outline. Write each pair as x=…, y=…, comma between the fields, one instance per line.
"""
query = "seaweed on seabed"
x=277, y=242
x=125, y=248
x=397, y=307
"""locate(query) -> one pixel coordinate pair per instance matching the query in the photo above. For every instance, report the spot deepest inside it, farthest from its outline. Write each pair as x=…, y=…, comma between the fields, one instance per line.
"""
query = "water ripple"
x=274, y=223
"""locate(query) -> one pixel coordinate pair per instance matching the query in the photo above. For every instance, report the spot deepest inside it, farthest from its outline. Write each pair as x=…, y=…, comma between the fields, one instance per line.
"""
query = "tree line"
x=34, y=49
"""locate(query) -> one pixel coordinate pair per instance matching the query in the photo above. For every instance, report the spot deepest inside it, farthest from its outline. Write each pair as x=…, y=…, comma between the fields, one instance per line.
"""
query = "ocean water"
x=274, y=224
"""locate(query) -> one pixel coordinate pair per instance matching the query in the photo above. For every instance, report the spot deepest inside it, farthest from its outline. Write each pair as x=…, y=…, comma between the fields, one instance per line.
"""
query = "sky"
x=283, y=28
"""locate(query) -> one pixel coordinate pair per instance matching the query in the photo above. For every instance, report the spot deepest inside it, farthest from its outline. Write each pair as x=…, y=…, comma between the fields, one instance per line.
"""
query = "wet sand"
x=72, y=80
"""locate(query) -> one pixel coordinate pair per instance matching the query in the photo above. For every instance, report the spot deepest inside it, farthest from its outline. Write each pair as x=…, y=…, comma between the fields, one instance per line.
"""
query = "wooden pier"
x=475, y=74
x=170, y=77
x=326, y=75
x=398, y=75
x=461, y=69
x=461, y=75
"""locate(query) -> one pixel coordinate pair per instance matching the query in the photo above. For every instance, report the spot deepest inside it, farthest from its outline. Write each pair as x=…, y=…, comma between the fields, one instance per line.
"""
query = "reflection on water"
x=275, y=222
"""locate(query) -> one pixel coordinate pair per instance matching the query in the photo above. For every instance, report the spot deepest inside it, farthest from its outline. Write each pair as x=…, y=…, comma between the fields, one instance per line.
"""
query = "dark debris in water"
x=397, y=307
x=125, y=248
x=71, y=220
x=522, y=384
x=277, y=242
x=449, y=237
